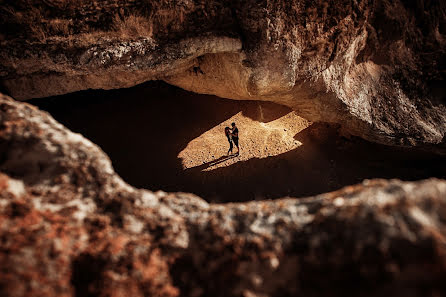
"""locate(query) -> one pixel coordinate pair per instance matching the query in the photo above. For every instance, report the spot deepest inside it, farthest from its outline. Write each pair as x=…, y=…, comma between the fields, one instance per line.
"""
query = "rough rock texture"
x=376, y=67
x=69, y=226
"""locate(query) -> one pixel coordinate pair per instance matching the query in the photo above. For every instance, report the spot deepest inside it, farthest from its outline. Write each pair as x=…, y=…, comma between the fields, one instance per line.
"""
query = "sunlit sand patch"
x=257, y=140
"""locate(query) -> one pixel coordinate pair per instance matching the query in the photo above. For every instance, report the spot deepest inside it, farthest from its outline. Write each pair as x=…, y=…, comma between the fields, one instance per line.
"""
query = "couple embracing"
x=232, y=135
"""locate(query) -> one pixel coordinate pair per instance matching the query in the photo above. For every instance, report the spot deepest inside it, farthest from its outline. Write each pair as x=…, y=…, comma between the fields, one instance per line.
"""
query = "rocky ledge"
x=375, y=67
x=69, y=226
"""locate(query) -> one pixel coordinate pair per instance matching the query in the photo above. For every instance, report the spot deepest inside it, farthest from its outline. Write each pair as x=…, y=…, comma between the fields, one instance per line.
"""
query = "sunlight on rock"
x=257, y=140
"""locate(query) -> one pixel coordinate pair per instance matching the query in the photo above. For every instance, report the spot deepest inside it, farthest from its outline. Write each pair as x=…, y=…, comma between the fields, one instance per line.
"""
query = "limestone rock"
x=375, y=67
x=69, y=226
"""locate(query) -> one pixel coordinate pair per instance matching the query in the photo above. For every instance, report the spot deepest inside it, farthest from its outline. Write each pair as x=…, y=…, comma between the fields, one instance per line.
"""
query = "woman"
x=229, y=136
x=234, y=137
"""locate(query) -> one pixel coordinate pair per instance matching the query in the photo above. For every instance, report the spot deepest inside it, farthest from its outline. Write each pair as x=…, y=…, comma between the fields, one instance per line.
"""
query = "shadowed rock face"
x=69, y=226
x=374, y=67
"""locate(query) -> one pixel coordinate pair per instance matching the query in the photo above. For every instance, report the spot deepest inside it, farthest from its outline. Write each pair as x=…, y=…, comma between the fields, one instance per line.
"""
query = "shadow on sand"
x=214, y=162
x=144, y=128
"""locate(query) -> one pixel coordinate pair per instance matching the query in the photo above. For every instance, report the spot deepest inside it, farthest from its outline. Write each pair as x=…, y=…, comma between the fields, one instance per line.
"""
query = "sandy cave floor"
x=258, y=139
x=162, y=137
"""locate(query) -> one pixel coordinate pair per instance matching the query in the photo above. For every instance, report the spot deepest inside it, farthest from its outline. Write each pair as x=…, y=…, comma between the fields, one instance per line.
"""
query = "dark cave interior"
x=143, y=129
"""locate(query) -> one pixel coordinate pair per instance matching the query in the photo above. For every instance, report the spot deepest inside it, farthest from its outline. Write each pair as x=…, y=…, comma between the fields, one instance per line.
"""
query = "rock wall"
x=374, y=67
x=69, y=226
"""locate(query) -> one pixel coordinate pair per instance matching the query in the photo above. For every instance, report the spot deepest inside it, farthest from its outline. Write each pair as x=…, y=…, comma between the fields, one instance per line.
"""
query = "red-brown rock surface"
x=374, y=66
x=69, y=226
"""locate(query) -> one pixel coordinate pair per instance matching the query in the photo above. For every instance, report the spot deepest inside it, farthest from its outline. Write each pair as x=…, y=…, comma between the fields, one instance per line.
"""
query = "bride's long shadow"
x=144, y=128
x=214, y=162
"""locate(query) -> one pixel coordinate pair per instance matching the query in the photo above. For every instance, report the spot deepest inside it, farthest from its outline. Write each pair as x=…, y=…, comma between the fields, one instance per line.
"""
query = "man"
x=235, y=137
x=229, y=136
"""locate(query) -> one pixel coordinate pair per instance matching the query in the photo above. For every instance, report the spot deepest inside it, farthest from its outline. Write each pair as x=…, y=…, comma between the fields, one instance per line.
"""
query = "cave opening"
x=161, y=137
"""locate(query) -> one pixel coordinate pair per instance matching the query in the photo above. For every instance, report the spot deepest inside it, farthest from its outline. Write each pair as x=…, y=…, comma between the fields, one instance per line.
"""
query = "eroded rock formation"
x=69, y=226
x=375, y=67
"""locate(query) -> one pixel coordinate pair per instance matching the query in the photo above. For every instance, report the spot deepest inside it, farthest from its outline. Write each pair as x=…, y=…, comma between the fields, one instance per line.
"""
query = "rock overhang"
x=326, y=61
